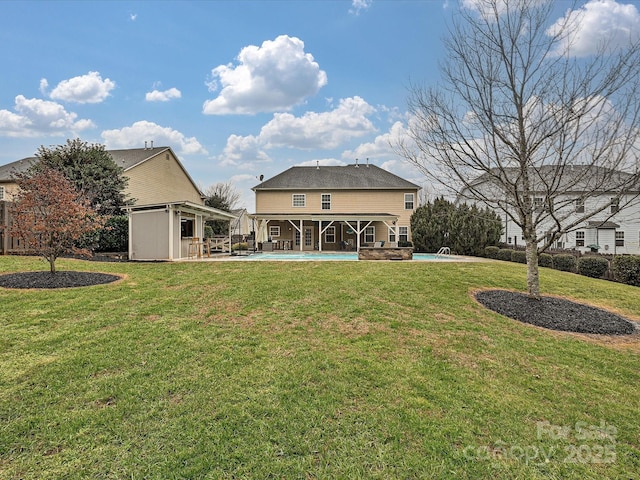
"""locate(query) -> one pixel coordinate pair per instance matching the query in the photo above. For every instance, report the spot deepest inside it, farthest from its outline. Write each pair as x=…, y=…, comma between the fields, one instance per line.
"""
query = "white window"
x=579, y=204
x=408, y=201
x=392, y=236
x=538, y=203
x=403, y=234
x=579, y=239
x=274, y=231
x=619, y=239
x=615, y=205
x=330, y=235
x=370, y=235
x=325, y=200
x=299, y=200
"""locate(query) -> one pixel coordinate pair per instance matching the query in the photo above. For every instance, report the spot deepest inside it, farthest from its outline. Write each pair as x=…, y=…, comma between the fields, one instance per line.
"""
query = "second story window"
x=579, y=204
x=408, y=201
x=325, y=200
x=299, y=200
x=615, y=205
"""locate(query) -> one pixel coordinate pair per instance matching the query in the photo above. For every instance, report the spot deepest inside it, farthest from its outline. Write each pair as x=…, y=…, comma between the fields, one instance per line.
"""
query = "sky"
x=237, y=89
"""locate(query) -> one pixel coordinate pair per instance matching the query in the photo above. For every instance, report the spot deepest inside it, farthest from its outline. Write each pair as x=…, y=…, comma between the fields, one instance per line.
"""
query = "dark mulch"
x=62, y=279
x=555, y=313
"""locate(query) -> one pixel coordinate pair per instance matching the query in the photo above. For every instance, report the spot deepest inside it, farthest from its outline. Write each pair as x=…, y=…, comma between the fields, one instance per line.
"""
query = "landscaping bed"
x=63, y=279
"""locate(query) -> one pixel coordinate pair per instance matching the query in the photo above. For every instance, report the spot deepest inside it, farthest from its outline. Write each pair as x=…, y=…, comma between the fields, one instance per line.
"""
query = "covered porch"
x=323, y=232
x=171, y=231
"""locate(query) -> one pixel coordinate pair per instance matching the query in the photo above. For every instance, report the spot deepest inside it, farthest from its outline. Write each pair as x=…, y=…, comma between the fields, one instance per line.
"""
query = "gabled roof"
x=346, y=177
x=573, y=178
x=10, y=169
x=126, y=158
x=130, y=157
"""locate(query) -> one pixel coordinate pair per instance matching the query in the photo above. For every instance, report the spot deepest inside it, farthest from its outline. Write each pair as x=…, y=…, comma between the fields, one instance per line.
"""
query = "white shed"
x=168, y=231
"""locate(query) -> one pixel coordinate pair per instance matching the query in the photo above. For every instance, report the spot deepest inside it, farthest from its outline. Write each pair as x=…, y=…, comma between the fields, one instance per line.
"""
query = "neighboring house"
x=334, y=208
x=168, y=208
x=615, y=229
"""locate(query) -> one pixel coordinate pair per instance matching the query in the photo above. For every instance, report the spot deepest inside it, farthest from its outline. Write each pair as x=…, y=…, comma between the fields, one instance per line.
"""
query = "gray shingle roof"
x=347, y=177
x=126, y=158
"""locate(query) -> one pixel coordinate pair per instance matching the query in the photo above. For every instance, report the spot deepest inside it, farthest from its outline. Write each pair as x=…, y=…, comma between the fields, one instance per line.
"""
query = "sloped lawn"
x=310, y=370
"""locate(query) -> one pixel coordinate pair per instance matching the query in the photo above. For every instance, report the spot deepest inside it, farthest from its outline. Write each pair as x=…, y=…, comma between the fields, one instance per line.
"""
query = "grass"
x=309, y=370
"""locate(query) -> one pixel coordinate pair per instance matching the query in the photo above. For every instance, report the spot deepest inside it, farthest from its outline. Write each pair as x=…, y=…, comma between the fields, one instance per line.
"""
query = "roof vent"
x=317, y=164
x=151, y=147
x=367, y=162
x=145, y=144
x=357, y=166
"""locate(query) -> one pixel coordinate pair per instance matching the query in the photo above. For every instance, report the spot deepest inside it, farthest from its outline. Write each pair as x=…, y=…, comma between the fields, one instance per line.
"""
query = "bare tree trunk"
x=533, y=278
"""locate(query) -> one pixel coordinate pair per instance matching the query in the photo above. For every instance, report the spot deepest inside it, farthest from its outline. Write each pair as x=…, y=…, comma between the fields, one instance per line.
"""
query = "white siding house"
x=613, y=228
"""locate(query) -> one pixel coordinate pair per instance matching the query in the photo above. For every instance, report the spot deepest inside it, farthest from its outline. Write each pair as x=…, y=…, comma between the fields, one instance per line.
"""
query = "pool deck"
x=296, y=256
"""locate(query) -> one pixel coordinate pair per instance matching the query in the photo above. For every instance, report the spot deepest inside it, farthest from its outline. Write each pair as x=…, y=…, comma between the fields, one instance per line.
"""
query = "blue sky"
x=238, y=89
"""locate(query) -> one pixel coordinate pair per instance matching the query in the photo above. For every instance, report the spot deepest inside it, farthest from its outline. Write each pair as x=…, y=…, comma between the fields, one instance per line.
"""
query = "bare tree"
x=523, y=125
x=223, y=196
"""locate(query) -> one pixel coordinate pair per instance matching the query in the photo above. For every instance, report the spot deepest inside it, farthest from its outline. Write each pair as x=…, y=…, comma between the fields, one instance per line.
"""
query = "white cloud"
x=326, y=130
x=139, y=132
x=275, y=76
x=358, y=6
x=243, y=151
x=34, y=116
x=164, y=96
x=382, y=146
x=44, y=85
x=599, y=23
x=89, y=88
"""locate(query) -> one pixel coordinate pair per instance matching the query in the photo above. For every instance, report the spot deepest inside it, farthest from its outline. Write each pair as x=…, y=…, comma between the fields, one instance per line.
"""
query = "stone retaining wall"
x=394, y=253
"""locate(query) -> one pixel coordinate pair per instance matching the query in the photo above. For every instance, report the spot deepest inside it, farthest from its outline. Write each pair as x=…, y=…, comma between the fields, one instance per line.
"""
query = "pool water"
x=335, y=256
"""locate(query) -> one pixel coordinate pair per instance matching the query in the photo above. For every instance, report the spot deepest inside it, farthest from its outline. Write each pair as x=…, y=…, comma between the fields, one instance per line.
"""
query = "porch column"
x=301, y=234
x=319, y=235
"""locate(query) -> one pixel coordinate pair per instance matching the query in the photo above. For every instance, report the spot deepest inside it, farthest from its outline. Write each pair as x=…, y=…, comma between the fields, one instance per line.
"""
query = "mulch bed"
x=555, y=313
x=62, y=279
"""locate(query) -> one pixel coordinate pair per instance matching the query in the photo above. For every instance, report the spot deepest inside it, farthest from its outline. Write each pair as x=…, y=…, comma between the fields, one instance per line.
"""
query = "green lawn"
x=309, y=370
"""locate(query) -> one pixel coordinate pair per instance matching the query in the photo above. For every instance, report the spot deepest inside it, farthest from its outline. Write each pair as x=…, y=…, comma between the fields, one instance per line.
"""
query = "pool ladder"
x=443, y=251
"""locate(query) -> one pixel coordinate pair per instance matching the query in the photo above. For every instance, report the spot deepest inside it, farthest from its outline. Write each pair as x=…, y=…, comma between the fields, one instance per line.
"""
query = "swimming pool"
x=335, y=256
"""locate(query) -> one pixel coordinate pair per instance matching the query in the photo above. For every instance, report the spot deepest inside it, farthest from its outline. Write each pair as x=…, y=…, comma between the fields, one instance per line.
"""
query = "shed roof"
x=345, y=177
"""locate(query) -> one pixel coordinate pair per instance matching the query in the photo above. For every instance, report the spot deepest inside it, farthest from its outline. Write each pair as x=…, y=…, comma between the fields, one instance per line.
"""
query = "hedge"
x=491, y=252
x=565, y=263
x=545, y=260
x=594, y=267
x=626, y=269
x=519, y=256
x=504, y=254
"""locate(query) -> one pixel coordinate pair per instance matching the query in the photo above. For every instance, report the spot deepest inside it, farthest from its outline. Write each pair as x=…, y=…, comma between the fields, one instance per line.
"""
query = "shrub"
x=208, y=231
x=240, y=246
x=491, y=252
x=626, y=269
x=114, y=237
x=545, y=260
x=519, y=256
x=594, y=267
x=504, y=254
x=565, y=263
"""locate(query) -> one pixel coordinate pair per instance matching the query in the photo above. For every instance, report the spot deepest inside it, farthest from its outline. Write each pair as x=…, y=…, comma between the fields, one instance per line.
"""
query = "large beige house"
x=168, y=209
x=333, y=208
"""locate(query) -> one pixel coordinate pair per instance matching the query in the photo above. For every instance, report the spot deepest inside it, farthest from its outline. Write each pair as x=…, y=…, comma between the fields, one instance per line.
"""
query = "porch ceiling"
x=336, y=217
